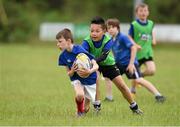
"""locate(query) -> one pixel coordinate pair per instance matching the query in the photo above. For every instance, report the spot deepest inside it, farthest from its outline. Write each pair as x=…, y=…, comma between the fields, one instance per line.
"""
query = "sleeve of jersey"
x=85, y=45
x=61, y=61
x=131, y=31
x=103, y=56
x=108, y=45
x=127, y=42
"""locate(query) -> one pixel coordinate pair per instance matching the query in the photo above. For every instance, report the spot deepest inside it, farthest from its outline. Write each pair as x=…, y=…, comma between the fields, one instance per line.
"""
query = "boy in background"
x=142, y=34
x=141, y=31
x=125, y=55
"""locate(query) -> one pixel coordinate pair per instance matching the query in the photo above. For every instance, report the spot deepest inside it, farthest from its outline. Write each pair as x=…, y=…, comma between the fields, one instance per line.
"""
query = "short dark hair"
x=114, y=22
x=66, y=34
x=100, y=21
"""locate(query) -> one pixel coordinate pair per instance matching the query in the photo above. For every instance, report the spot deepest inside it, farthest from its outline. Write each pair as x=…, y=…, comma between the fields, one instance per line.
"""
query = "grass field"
x=35, y=91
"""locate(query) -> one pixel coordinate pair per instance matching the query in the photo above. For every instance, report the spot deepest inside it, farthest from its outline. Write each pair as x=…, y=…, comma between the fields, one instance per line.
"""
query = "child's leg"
x=79, y=96
x=90, y=92
x=108, y=85
x=133, y=87
x=98, y=87
x=148, y=85
x=97, y=102
x=86, y=105
x=150, y=68
x=120, y=84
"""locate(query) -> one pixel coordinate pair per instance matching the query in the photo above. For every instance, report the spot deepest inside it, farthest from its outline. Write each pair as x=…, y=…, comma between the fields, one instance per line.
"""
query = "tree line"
x=20, y=19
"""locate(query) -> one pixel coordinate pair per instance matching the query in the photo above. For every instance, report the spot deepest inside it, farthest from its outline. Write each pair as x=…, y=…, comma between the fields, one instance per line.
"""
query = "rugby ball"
x=83, y=61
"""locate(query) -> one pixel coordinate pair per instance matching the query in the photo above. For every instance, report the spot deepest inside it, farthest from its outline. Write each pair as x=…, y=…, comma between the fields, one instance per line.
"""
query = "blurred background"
x=35, y=91
x=28, y=20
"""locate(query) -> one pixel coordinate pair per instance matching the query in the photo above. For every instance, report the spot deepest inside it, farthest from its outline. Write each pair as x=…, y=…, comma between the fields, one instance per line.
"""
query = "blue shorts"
x=137, y=74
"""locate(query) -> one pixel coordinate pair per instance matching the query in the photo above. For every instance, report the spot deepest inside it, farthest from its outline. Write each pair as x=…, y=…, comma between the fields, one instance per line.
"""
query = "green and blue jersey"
x=142, y=35
x=96, y=49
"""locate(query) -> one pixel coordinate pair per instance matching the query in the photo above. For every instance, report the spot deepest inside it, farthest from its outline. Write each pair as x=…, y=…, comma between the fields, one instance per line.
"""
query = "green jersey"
x=97, y=52
x=143, y=37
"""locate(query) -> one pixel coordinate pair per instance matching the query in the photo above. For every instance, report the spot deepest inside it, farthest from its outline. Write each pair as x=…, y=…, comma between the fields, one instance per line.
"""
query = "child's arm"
x=132, y=40
x=94, y=66
x=71, y=71
x=131, y=36
x=131, y=67
x=153, y=38
x=106, y=50
x=102, y=56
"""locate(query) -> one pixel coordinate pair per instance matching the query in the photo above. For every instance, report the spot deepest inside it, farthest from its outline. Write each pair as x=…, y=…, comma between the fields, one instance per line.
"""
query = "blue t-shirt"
x=98, y=44
x=67, y=59
x=122, y=49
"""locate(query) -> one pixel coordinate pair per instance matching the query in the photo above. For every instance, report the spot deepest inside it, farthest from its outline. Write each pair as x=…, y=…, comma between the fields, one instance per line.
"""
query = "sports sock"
x=158, y=94
x=80, y=105
x=109, y=97
x=97, y=104
x=133, y=89
x=134, y=106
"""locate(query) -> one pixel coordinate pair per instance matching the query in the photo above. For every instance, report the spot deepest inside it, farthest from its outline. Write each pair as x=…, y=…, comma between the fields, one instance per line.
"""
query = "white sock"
x=158, y=94
x=133, y=104
x=109, y=97
x=97, y=102
x=133, y=90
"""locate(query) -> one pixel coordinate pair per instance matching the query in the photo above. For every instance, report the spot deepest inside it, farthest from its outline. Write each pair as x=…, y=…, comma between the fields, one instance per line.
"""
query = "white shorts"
x=89, y=90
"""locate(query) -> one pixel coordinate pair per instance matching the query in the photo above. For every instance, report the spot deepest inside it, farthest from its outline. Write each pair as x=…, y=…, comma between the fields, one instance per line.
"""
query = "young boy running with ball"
x=83, y=80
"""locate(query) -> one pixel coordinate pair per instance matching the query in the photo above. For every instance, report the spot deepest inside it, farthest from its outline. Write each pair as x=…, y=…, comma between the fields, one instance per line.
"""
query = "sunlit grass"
x=35, y=91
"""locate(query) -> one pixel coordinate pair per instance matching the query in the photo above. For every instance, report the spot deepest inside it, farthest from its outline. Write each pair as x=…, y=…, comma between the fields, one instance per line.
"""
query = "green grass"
x=35, y=91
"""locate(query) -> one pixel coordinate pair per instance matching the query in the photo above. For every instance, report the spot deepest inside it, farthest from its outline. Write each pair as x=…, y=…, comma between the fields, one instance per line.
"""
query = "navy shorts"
x=137, y=74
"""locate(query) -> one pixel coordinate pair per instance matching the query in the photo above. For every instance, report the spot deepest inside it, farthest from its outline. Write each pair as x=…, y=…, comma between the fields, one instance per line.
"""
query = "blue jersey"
x=98, y=44
x=122, y=49
x=67, y=59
